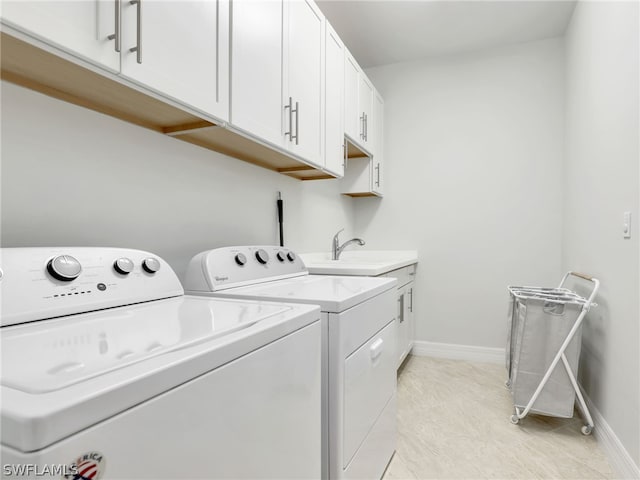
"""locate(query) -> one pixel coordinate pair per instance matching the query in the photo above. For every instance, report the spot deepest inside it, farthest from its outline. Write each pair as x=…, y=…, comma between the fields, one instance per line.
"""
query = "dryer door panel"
x=369, y=383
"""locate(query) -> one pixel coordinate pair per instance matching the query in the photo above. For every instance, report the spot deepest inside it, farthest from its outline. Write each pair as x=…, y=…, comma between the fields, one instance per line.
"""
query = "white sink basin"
x=359, y=262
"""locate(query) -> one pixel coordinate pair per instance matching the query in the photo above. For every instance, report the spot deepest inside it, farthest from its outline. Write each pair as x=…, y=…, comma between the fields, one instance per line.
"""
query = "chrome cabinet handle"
x=401, y=308
x=288, y=107
x=297, y=111
x=366, y=127
x=362, y=126
x=116, y=36
x=411, y=300
x=378, y=174
x=344, y=155
x=138, y=47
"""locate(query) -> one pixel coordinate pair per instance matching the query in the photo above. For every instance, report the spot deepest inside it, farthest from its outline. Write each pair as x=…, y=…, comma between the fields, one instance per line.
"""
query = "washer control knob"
x=241, y=259
x=123, y=265
x=64, y=267
x=151, y=265
x=291, y=256
x=281, y=256
x=262, y=256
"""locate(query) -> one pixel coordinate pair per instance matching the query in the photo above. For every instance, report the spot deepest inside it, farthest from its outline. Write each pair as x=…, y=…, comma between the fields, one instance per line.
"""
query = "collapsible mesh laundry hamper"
x=544, y=336
x=538, y=329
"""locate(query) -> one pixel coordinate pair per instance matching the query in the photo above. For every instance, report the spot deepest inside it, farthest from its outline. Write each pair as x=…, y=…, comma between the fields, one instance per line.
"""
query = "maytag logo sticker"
x=89, y=466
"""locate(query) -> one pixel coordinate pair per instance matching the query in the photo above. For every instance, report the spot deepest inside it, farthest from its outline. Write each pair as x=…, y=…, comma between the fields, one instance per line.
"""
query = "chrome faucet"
x=337, y=248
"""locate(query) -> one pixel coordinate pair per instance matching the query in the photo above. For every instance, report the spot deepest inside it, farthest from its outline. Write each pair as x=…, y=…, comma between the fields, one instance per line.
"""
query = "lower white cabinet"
x=406, y=322
x=405, y=314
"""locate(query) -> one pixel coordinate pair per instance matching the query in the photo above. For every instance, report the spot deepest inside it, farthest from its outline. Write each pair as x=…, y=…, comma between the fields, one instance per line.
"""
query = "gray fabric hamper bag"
x=538, y=329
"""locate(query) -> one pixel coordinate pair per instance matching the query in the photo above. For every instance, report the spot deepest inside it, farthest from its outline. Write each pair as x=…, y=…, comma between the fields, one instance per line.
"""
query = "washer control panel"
x=40, y=283
x=229, y=267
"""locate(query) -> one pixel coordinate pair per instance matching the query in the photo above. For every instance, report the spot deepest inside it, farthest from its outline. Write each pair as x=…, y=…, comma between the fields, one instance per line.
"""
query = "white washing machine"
x=109, y=371
x=359, y=345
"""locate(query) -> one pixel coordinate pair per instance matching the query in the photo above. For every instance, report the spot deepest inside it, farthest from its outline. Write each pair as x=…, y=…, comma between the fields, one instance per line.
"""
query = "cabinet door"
x=80, y=28
x=365, y=105
x=377, y=137
x=257, y=105
x=334, y=102
x=304, y=81
x=352, y=123
x=403, y=325
x=182, y=50
x=410, y=318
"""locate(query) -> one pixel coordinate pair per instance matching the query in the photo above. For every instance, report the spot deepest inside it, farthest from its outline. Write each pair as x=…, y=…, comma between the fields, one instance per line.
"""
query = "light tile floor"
x=453, y=422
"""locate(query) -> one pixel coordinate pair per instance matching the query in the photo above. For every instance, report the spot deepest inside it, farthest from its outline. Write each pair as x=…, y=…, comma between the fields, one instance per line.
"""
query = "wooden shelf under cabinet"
x=36, y=69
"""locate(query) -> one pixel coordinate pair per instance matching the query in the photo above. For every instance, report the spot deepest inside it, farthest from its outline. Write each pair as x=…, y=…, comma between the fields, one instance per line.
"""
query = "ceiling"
x=381, y=32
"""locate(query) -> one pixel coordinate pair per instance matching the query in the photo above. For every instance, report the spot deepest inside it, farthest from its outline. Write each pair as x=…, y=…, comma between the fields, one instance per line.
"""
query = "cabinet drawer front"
x=369, y=383
x=404, y=275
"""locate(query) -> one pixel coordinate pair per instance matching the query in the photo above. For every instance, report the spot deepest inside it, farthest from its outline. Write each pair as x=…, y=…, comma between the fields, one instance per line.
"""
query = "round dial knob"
x=291, y=256
x=151, y=265
x=262, y=256
x=64, y=267
x=123, y=265
x=241, y=259
x=281, y=256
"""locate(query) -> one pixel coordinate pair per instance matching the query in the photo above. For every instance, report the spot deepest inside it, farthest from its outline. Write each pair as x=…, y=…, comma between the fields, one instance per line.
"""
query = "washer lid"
x=51, y=355
x=333, y=293
x=172, y=341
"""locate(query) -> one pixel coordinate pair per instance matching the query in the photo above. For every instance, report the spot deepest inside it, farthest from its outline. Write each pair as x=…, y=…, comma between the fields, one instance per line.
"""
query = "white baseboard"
x=618, y=457
x=458, y=352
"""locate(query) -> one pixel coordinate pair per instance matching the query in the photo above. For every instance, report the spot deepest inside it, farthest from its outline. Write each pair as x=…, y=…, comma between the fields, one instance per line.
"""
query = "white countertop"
x=359, y=262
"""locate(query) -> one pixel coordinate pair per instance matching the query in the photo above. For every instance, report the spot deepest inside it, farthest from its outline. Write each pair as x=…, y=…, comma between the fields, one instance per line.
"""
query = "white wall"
x=71, y=176
x=601, y=182
x=473, y=151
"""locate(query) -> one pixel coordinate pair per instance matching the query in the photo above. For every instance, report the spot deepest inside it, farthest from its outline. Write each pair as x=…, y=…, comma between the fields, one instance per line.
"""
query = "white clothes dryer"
x=359, y=345
x=109, y=371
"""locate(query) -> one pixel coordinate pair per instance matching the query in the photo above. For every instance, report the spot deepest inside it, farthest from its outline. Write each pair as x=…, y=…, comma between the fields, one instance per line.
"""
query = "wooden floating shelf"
x=354, y=152
x=359, y=195
x=36, y=69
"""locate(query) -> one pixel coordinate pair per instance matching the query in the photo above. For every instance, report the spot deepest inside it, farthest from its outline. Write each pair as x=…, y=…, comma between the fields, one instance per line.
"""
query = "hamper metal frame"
x=560, y=295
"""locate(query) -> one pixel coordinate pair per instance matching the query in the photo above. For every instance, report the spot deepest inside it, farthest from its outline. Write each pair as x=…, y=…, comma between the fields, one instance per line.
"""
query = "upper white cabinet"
x=277, y=74
x=178, y=49
x=365, y=104
x=304, y=79
x=78, y=28
x=256, y=68
x=352, y=124
x=266, y=81
x=358, y=105
x=334, y=103
x=377, y=178
x=364, y=175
